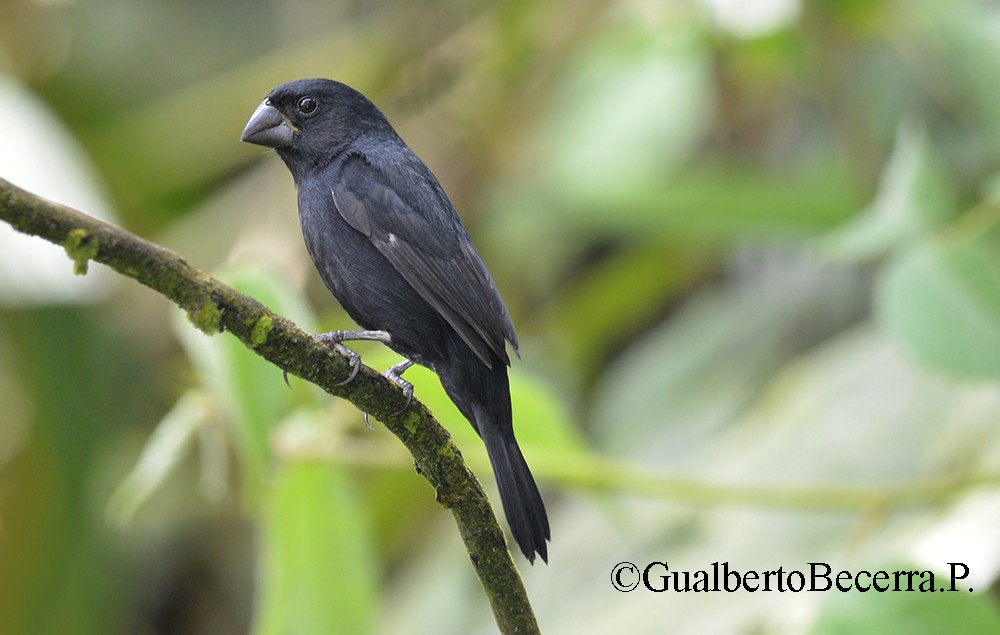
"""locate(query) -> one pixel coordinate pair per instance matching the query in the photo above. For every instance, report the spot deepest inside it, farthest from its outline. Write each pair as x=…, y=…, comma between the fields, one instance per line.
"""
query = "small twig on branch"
x=214, y=307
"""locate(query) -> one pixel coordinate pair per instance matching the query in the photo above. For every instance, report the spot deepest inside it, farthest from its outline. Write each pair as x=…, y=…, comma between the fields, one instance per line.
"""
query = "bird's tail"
x=522, y=503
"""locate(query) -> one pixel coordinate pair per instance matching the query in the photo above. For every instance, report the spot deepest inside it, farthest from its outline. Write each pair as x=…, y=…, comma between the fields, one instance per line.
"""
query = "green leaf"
x=943, y=301
x=906, y=613
x=163, y=452
x=618, y=296
x=914, y=196
x=317, y=573
x=651, y=109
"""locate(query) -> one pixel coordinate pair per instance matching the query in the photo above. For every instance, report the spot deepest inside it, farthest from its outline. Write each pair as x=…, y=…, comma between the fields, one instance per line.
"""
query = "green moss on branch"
x=261, y=328
x=81, y=247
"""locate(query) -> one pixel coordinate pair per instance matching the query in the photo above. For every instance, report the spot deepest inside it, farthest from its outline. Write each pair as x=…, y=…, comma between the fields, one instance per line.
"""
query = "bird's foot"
x=335, y=339
x=394, y=374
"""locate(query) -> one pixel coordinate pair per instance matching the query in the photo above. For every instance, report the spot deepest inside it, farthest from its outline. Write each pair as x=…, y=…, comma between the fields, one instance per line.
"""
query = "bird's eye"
x=307, y=105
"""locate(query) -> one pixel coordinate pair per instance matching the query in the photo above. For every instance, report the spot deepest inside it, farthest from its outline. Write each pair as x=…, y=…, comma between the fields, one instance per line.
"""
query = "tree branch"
x=214, y=307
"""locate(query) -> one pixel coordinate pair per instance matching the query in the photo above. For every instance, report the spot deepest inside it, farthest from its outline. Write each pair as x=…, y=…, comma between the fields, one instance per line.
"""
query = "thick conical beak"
x=268, y=127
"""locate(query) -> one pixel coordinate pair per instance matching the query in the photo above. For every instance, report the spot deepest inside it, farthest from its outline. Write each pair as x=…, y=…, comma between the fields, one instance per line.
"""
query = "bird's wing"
x=406, y=215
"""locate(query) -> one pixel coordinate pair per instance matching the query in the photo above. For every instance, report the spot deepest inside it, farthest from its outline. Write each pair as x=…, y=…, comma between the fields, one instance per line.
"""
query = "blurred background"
x=750, y=247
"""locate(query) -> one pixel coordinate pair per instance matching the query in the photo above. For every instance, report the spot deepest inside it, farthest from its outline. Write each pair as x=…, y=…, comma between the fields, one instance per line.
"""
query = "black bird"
x=390, y=247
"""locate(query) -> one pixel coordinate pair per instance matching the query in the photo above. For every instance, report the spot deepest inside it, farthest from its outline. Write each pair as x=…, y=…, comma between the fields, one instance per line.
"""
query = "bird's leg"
x=345, y=336
x=394, y=374
x=336, y=339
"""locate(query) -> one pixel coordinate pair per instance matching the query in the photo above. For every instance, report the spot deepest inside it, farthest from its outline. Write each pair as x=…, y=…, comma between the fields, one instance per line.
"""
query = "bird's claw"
x=352, y=357
x=408, y=391
x=393, y=374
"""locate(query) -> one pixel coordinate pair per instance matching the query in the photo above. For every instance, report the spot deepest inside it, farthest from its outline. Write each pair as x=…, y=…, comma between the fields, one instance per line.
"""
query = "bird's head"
x=309, y=121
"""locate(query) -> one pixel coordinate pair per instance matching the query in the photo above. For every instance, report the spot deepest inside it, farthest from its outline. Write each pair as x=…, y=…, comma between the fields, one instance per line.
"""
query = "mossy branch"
x=214, y=307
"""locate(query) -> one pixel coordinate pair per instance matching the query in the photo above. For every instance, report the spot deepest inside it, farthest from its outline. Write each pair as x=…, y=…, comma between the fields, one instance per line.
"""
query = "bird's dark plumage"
x=390, y=247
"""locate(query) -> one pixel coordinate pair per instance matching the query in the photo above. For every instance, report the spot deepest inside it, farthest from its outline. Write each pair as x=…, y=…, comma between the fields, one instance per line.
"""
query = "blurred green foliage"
x=751, y=249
